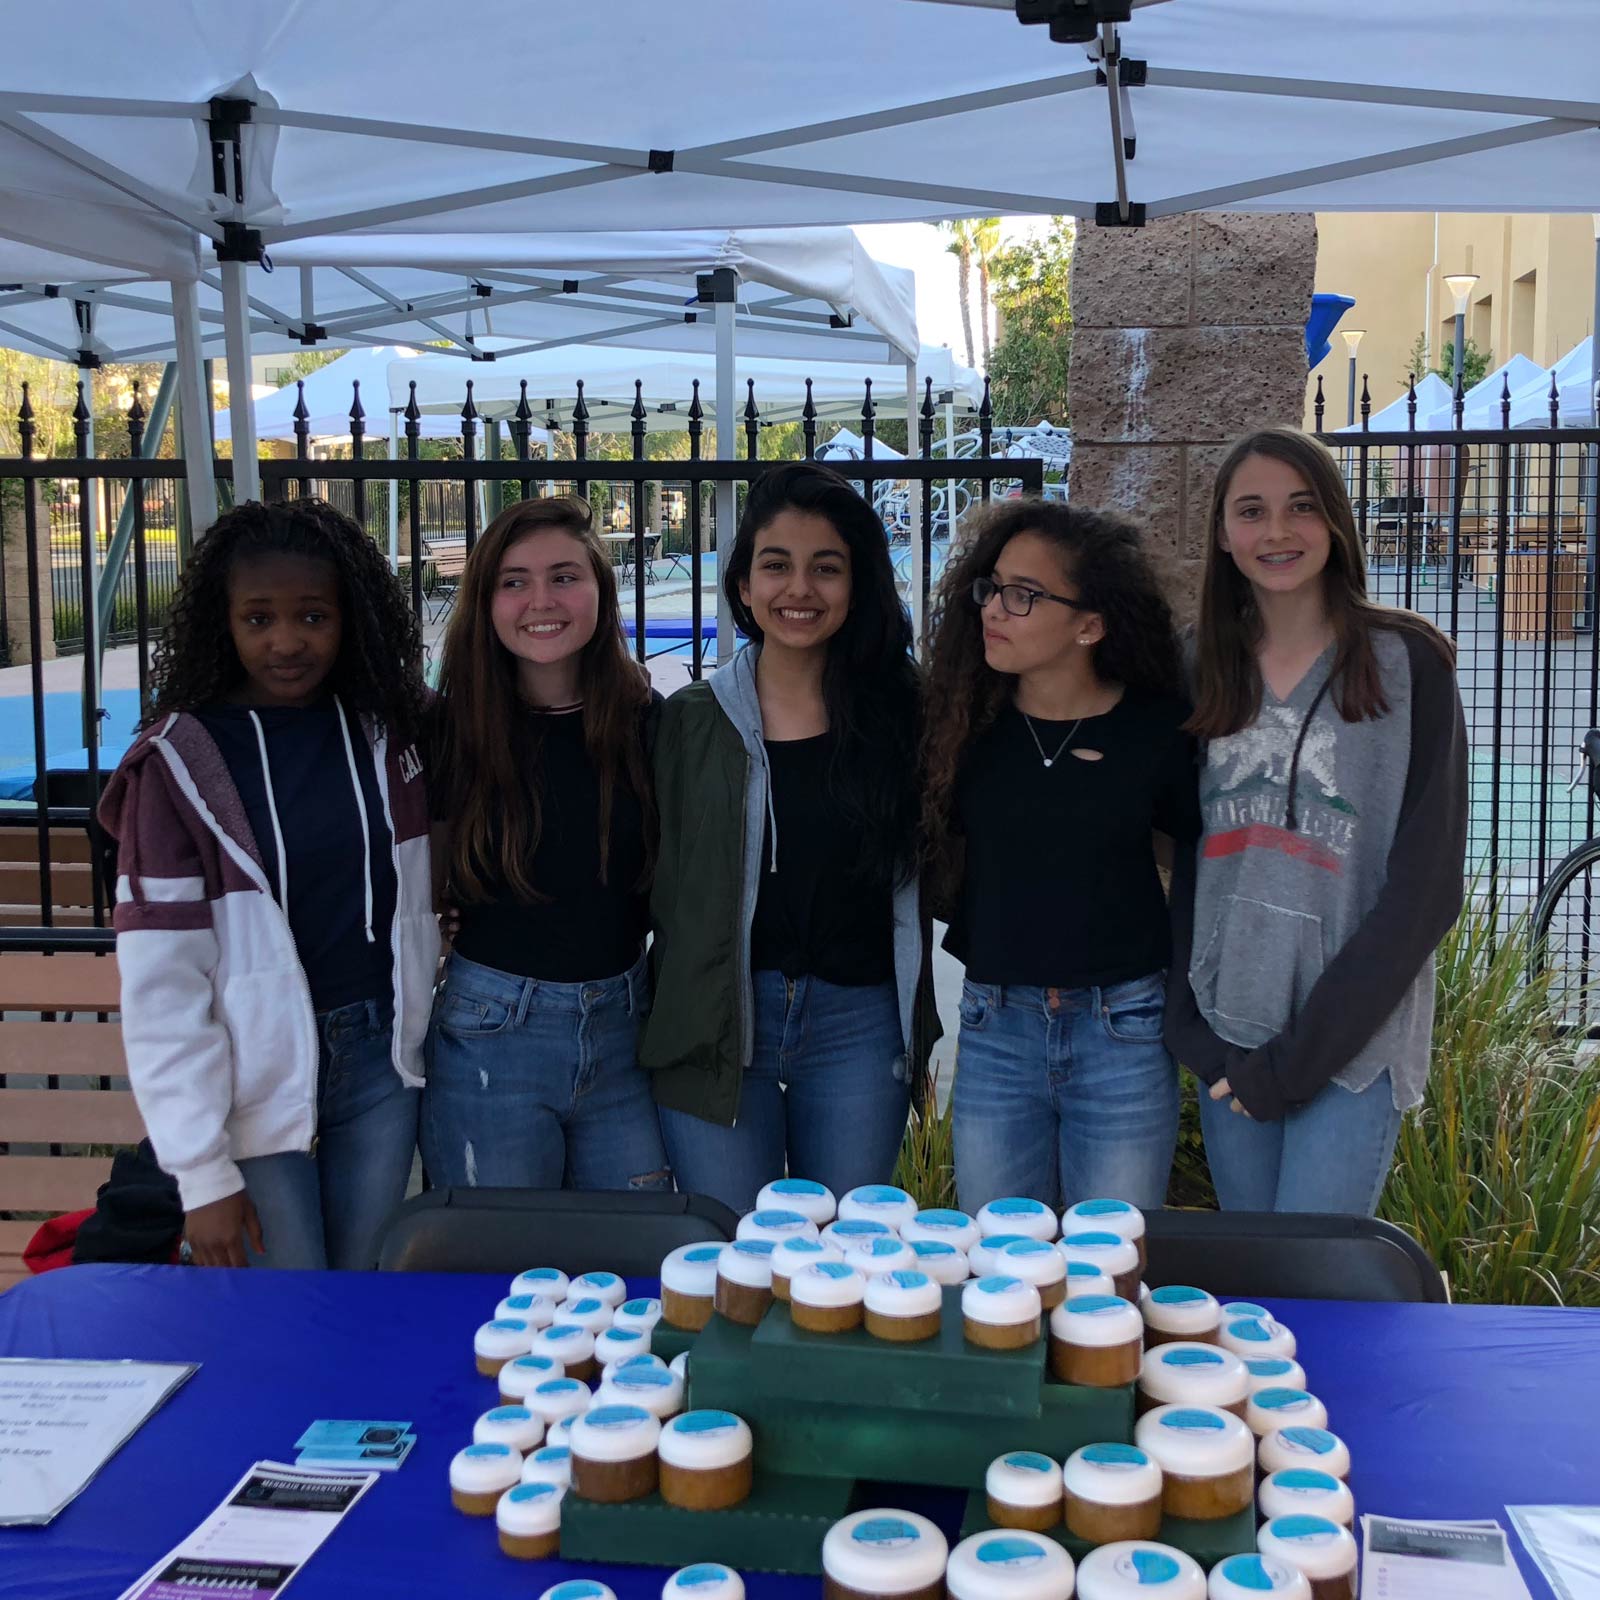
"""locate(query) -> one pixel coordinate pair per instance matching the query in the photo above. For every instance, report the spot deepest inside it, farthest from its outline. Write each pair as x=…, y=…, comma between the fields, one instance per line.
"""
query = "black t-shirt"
x=815, y=916
x=582, y=929
x=1060, y=885
x=315, y=798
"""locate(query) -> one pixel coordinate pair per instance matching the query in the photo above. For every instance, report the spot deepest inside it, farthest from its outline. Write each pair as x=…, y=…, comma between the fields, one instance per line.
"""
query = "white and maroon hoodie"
x=217, y=1022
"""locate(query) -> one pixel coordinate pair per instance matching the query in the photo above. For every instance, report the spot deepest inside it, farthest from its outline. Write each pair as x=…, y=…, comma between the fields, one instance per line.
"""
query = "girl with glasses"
x=1334, y=792
x=544, y=843
x=788, y=949
x=1057, y=755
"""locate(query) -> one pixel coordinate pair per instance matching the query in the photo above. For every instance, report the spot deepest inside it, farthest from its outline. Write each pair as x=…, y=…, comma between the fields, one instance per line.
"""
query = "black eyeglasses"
x=1017, y=598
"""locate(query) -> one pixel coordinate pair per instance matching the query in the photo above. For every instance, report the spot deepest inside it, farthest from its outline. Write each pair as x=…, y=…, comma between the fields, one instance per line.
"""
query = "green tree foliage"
x=1475, y=363
x=1029, y=367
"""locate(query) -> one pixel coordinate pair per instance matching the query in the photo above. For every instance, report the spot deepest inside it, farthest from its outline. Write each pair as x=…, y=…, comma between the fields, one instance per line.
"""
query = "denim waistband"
x=356, y=1017
x=630, y=989
x=1033, y=997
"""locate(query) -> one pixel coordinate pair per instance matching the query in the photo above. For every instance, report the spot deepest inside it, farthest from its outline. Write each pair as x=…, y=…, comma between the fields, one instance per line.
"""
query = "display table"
x=1450, y=1412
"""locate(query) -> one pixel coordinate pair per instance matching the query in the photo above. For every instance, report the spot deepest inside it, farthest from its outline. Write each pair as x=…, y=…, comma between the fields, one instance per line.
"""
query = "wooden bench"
x=71, y=878
x=71, y=1120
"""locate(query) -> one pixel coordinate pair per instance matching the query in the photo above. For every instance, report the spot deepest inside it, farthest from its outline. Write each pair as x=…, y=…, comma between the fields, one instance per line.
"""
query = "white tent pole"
x=919, y=494
x=241, y=411
x=950, y=486
x=727, y=431
x=194, y=406
x=394, y=492
x=1592, y=552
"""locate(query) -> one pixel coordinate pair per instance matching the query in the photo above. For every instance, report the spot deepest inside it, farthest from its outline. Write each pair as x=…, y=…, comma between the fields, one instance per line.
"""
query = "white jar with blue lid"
x=790, y=1256
x=1301, y=1446
x=705, y=1580
x=614, y=1453
x=528, y=1518
x=1179, y=1312
x=1140, y=1569
x=877, y=1202
x=500, y=1341
x=550, y=1463
x=1084, y=1277
x=846, y=1231
x=985, y=1254
x=516, y=1426
x=659, y=1392
x=706, y=1460
x=1107, y=1216
x=1251, y=1577
x=1023, y=1490
x=1018, y=1214
x=945, y=1225
x=944, y=1263
x=556, y=1398
x=883, y=1553
x=775, y=1223
x=1111, y=1492
x=570, y=1344
x=520, y=1377
x=1096, y=1340
x=689, y=1285
x=1109, y=1253
x=587, y=1311
x=618, y=1344
x=643, y=1312
x=480, y=1474
x=1256, y=1336
x=1189, y=1374
x=1001, y=1312
x=1273, y=1372
x=1038, y=1262
x=1324, y=1551
x=1207, y=1460
x=551, y=1282
x=1270, y=1409
x=607, y=1285
x=1306, y=1491
x=537, y=1310
x=578, y=1589
x=805, y=1195
x=1012, y=1564
x=871, y=1257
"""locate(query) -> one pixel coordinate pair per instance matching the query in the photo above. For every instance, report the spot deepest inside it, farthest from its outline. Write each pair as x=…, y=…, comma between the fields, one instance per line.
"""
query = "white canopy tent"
x=1433, y=396
x=1575, y=392
x=1480, y=405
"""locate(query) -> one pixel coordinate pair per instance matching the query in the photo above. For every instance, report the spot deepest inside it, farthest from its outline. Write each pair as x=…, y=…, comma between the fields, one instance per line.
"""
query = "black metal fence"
x=1492, y=535
x=441, y=507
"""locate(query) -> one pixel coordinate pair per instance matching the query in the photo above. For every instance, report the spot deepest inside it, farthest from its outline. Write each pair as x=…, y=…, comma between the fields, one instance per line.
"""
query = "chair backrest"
x=507, y=1230
x=1300, y=1256
x=50, y=1128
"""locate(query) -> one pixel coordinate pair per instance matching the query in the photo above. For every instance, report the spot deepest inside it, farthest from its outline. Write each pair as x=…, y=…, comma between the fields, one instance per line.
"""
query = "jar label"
x=525, y=1492
x=616, y=1419
x=704, y=1252
x=542, y=1275
x=941, y=1218
x=600, y=1280
x=1193, y=1421
x=1094, y=1305
x=576, y=1589
x=1269, y=1367
x=1029, y=1247
x=933, y=1247
x=623, y=1335
x=999, y=1285
x=641, y=1378
x=508, y=1414
x=1029, y=1461
x=885, y=1533
x=1175, y=1294
x=1121, y=1457
x=752, y=1247
x=520, y=1302
x=1249, y=1572
x=1303, y=1480
x=858, y=1228
x=1282, y=1399
x=1014, y=1206
x=553, y=1452
x=779, y=1220
x=1148, y=1567
x=642, y=1308
x=703, y=1576
x=1093, y=1241
x=1310, y=1441
x=907, y=1279
x=1304, y=1530
x=879, y=1194
x=1191, y=1358
x=1009, y=1552
x=796, y=1186
x=482, y=1452
x=801, y=1247
x=561, y=1330
x=882, y=1247
x=509, y=1325
x=1101, y=1208
x=560, y=1386
x=534, y=1364
x=585, y=1308
x=705, y=1422
x=1249, y=1330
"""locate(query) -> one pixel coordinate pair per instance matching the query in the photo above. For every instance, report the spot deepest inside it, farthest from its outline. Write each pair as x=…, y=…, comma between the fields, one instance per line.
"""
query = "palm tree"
x=986, y=240
x=960, y=246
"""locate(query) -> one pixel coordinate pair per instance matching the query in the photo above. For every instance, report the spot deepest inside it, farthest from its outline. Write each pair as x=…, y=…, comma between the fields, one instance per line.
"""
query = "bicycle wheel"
x=1566, y=937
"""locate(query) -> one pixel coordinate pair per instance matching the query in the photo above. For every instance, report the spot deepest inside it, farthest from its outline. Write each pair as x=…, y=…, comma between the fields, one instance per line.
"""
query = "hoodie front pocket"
x=260, y=1010
x=1257, y=969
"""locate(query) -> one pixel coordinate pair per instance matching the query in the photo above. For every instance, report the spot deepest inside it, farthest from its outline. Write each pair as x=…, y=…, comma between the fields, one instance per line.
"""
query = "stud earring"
x=1085, y=641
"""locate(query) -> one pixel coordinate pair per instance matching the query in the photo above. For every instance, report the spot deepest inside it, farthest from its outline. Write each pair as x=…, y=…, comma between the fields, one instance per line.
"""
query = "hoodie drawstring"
x=1290, y=815
x=272, y=810
x=361, y=807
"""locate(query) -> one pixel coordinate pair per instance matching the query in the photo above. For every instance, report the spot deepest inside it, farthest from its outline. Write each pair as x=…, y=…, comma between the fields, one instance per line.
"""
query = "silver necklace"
x=1050, y=761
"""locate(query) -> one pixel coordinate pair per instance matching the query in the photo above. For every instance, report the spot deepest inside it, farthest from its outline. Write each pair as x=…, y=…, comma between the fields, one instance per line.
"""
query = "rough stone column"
x=13, y=539
x=1186, y=334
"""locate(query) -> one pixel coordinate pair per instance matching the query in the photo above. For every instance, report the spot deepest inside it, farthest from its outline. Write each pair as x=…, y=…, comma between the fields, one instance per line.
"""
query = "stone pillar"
x=14, y=543
x=1186, y=334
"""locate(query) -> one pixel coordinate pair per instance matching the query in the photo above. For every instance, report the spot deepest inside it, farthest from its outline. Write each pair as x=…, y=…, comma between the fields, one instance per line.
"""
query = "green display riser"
x=779, y=1528
x=669, y=1342
x=944, y=1373
x=1207, y=1542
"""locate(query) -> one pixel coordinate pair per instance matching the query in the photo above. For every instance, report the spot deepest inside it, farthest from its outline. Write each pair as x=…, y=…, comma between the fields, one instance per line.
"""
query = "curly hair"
x=1104, y=553
x=379, y=669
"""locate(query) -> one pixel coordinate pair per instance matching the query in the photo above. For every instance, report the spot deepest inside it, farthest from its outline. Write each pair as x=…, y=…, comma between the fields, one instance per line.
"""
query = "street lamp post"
x=1352, y=338
x=1461, y=285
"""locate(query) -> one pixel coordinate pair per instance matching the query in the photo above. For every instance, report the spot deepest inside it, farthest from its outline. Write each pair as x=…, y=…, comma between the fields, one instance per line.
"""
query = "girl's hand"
x=1220, y=1090
x=216, y=1232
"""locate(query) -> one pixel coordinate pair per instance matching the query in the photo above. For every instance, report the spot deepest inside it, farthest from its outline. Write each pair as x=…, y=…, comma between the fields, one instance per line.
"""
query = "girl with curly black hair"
x=275, y=926
x=1057, y=752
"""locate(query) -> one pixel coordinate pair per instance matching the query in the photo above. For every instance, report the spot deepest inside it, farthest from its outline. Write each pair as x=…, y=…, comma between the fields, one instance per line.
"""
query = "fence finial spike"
x=469, y=412
x=524, y=412
x=1505, y=401
x=580, y=407
x=357, y=411
x=413, y=411
x=1366, y=400
x=638, y=413
x=301, y=413
x=1555, y=401
x=136, y=404
x=696, y=410
x=25, y=421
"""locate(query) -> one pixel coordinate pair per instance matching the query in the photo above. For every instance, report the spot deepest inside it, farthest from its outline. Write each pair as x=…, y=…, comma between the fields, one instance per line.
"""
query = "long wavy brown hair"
x=1227, y=678
x=1105, y=555
x=486, y=747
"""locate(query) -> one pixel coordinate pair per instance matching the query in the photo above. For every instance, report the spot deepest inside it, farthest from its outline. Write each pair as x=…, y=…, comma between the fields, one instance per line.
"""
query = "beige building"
x=1534, y=295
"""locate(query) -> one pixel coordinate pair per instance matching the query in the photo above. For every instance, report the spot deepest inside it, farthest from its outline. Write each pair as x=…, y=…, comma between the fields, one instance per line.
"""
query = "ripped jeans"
x=535, y=1085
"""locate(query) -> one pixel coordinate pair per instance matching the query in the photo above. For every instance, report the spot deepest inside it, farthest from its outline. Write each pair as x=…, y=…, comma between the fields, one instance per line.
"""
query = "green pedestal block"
x=819, y=1438
x=1207, y=1542
x=778, y=1529
x=944, y=1373
x=668, y=1342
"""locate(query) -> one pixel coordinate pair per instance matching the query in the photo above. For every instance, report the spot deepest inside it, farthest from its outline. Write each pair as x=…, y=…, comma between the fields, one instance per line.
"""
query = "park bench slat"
x=70, y=982
x=69, y=1116
x=88, y=1049
x=51, y=1183
x=22, y=844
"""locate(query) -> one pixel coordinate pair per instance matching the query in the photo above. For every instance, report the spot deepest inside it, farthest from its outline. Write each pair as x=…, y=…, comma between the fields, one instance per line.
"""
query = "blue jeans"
x=825, y=1096
x=1331, y=1154
x=535, y=1085
x=326, y=1208
x=1064, y=1095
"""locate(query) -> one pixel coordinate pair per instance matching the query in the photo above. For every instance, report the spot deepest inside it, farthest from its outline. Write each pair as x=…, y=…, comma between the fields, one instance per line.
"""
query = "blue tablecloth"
x=1448, y=1411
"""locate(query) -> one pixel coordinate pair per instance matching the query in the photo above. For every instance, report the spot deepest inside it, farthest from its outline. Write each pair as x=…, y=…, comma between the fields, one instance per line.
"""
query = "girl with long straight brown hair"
x=1333, y=788
x=544, y=841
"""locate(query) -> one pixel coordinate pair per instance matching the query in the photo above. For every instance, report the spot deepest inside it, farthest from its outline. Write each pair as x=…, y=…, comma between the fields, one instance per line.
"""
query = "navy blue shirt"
x=321, y=823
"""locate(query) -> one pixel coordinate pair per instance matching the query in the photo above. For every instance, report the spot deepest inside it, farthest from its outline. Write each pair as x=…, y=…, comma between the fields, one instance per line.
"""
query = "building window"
x=1524, y=299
